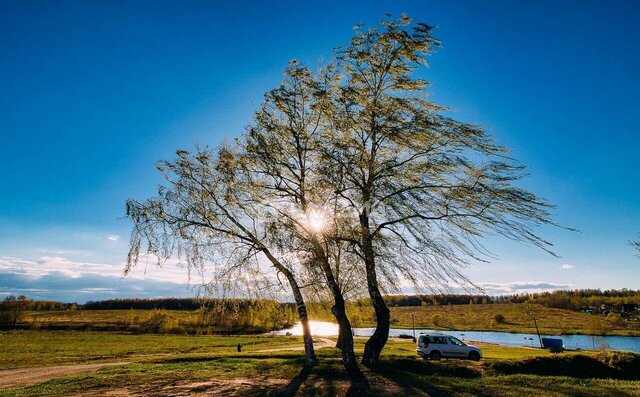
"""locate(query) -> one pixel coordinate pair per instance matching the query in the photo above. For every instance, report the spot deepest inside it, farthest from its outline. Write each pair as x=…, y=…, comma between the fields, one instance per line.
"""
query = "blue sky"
x=92, y=93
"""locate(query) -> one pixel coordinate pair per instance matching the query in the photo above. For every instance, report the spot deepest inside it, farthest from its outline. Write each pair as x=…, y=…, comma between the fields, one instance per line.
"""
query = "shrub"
x=12, y=309
x=615, y=319
x=437, y=319
x=628, y=363
x=499, y=318
x=156, y=321
x=177, y=330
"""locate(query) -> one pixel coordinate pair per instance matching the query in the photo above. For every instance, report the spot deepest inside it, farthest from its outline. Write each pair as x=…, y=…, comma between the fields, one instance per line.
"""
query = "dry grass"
x=481, y=317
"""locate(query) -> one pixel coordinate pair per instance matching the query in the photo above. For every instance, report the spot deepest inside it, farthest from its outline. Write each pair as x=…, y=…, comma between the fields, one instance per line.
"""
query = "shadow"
x=574, y=366
x=359, y=383
x=439, y=368
x=292, y=388
x=410, y=385
x=407, y=374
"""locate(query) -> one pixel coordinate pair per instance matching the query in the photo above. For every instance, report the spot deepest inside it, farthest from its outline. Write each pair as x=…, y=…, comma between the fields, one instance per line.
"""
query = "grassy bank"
x=206, y=365
x=150, y=321
x=514, y=317
x=482, y=317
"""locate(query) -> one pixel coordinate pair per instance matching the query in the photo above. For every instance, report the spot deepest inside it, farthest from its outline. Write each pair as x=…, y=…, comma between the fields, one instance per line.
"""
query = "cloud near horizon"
x=58, y=278
x=522, y=287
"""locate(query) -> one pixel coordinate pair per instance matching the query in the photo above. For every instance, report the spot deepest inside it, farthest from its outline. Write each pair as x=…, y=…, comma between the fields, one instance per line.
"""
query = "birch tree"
x=422, y=187
x=282, y=151
x=208, y=214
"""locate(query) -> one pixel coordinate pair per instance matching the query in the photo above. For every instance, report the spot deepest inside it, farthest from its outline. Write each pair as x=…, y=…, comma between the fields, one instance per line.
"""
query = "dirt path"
x=213, y=388
x=29, y=376
x=325, y=343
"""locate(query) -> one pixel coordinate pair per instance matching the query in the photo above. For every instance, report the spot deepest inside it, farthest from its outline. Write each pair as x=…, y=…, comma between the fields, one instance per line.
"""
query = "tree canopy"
x=350, y=181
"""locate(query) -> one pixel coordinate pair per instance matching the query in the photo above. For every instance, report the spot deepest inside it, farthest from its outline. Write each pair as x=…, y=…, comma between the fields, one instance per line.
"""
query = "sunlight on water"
x=318, y=328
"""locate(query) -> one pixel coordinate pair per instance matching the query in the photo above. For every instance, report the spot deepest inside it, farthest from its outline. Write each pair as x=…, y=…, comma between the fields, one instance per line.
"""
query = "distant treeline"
x=572, y=299
x=577, y=299
x=174, y=304
x=147, y=304
x=439, y=299
x=166, y=315
x=37, y=305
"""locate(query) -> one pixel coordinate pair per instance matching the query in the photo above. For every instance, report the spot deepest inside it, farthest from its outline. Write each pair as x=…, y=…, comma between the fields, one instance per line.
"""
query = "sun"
x=316, y=220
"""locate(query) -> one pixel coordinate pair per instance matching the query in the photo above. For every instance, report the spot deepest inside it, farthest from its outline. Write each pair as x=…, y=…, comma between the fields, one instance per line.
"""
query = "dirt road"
x=325, y=343
x=29, y=376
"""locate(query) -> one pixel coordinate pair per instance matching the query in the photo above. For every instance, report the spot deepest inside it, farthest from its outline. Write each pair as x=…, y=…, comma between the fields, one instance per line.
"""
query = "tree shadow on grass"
x=359, y=383
x=407, y=373
x=294, y=385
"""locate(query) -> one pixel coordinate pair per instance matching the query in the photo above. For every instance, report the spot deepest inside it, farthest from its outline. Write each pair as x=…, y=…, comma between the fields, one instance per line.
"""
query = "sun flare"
x=316, y=220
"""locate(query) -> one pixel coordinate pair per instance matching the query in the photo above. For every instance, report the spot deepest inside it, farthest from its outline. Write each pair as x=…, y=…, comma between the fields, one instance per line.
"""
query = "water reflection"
x=586, y=342
x=318, y=328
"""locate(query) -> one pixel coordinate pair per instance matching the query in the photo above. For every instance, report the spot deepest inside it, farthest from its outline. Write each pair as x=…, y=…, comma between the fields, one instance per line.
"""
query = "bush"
x=156, y=321
x=499, y=318
x=615, y=319
x=437, y=319
x=12, y=309
x=628, y=363
x=177, y=330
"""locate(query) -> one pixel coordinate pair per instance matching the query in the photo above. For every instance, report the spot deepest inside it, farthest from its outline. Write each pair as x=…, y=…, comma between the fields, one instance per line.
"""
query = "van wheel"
x=475, y=356
x=435, y=355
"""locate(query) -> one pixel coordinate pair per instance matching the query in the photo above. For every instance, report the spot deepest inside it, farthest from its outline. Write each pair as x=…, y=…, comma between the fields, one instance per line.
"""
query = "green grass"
x=169, y=364
x=43, y=348
x=100, y=317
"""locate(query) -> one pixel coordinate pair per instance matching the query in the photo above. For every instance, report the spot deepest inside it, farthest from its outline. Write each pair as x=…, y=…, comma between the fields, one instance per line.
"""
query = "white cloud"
x=59, y=278
x=567, y=266
x=522, y=287
x=113, y=237
x=46, y=265
x=64, y=252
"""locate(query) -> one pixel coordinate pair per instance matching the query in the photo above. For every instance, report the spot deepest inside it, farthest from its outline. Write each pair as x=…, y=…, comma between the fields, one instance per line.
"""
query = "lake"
x=585, y=342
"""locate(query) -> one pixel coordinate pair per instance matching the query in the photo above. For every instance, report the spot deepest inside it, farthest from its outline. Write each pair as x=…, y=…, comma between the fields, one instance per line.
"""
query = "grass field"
x=478, y=317
x=481, y=317
x=210, y=365
x=101, y=317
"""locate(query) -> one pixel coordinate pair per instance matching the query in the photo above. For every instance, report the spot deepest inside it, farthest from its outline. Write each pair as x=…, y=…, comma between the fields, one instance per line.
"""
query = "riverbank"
x=505, y=317
x=577, y=342
x=497, y=317
x=210, y=365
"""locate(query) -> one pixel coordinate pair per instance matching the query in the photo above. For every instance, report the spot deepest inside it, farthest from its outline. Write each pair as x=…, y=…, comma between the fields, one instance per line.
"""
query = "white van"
x=435, y=346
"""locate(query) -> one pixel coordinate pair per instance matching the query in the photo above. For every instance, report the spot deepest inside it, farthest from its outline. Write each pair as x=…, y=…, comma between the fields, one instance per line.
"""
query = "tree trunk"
x=373, y=347
x=345, y=334
x=309, y=350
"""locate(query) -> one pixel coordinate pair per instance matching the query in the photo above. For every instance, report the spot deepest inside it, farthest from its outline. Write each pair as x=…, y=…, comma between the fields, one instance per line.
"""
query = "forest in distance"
x=563, y=299
x=595, y=312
